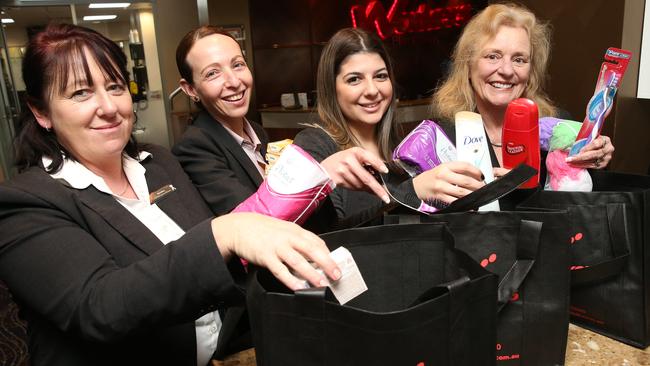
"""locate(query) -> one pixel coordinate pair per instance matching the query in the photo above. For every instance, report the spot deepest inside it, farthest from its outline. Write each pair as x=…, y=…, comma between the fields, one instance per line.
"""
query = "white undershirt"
x=155, y=219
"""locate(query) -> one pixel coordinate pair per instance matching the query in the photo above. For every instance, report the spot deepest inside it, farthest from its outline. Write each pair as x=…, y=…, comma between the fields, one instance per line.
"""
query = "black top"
x=95, y=285
x=344, y=208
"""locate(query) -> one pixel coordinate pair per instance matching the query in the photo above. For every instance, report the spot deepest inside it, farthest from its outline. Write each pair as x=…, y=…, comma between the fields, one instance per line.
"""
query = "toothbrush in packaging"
x=609, y=79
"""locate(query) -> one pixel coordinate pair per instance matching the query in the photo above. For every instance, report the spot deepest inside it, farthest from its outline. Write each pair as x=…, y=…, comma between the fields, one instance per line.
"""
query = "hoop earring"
x=196, y=99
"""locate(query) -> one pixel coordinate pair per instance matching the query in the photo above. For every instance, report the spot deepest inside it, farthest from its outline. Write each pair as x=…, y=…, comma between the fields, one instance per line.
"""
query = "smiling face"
x=363, y=89
x=222, y=80
x=93, y=118
x=501, y=69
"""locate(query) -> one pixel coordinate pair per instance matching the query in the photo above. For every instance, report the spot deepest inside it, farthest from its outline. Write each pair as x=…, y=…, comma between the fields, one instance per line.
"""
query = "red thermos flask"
x=520, y=139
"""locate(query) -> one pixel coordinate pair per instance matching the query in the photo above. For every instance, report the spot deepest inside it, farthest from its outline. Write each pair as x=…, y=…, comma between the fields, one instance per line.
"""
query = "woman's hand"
x=499, y=172
x=278, y=245
x=448, y=182
x=347, y=169
x=596, y=155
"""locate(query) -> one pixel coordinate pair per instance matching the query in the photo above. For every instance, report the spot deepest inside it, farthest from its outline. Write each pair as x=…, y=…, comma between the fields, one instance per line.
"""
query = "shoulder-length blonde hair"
x=456, y=93
x=346, y=42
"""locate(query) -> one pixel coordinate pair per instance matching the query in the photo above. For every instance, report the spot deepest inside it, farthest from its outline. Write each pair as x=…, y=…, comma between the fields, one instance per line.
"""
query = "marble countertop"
x=584, y=348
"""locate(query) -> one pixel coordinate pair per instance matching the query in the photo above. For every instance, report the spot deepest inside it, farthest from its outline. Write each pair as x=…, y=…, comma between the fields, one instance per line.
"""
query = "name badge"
x=161, y=193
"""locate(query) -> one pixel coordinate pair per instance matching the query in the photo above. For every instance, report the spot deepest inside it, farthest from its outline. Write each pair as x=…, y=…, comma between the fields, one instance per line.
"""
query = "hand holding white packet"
x=351, y=283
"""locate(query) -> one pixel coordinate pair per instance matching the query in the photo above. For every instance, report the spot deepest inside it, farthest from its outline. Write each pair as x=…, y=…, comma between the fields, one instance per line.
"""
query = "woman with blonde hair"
x=503, y=55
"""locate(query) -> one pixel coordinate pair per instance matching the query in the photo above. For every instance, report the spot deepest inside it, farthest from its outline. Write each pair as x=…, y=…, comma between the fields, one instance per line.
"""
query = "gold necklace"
x=126, y=187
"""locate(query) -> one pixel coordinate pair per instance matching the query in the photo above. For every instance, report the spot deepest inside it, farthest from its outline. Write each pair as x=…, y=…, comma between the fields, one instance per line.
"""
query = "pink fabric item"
x=559, y=172
x=296, y=207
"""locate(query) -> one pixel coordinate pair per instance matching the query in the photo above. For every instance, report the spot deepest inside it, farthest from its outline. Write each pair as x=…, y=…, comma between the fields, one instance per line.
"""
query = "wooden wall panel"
x=281, y=22
x=288, y=37
x=281, y=70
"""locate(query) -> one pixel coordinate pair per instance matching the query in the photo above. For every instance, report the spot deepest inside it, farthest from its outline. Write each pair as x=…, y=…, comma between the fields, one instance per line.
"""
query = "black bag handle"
x=530, y=233
x=311, y=300
x=492, y=191
x=452, y=287
x=310, y=303
x=527, y=246
x=486, y=194
x=617, y=224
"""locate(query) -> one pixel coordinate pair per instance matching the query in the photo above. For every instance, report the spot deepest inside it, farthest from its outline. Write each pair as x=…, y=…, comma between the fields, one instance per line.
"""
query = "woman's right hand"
x=448, y=182
x=280, y=246
x=347, y=169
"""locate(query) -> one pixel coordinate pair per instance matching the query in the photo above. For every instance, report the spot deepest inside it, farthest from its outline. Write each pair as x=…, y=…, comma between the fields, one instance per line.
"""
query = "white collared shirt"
x=251, y=148
x=155, y=219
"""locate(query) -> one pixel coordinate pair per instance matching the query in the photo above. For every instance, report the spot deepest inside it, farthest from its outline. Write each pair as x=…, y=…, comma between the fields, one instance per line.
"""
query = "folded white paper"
x=351, y=283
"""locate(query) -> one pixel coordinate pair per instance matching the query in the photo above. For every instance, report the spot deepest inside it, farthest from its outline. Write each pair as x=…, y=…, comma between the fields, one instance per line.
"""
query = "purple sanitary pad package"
x=426, y=147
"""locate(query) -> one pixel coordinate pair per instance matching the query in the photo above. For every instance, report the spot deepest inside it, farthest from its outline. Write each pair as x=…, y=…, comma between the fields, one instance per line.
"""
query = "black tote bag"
x=610, y=254
x=533, y=270
x=427, y=304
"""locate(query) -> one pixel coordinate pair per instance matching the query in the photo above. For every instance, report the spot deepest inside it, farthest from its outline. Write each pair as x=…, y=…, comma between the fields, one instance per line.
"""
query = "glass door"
x=129, y=24
x=9, y=109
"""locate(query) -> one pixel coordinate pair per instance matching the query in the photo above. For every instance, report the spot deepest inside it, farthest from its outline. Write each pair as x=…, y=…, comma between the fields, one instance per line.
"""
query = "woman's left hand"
x=596, y=155
x=499, y=172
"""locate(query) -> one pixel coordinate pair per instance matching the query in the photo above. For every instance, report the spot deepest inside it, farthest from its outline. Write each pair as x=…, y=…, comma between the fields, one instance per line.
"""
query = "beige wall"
x=632, y=120
x=173, y=19
x=16, y=37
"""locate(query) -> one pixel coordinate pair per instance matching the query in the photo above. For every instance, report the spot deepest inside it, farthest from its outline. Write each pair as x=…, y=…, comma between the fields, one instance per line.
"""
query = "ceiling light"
x=99, y=17
x=109, y=5
x=7, y=20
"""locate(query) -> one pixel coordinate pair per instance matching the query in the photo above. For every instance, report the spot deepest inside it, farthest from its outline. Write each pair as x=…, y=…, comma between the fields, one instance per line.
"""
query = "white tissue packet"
x=351, y=283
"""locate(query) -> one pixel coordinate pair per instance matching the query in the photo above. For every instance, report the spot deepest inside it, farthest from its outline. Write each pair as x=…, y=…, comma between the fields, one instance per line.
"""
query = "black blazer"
x=95, y=285
x=219, y=168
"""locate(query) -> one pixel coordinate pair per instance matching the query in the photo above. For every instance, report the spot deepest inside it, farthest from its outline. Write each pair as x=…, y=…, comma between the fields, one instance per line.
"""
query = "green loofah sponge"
x=564, y=134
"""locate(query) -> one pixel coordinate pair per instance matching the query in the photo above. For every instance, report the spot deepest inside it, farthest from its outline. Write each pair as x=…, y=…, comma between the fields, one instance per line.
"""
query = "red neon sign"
x=398, y=21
